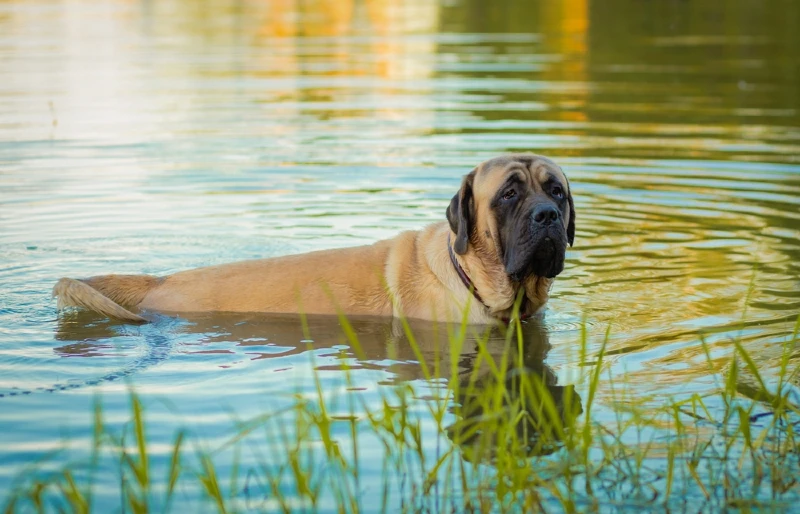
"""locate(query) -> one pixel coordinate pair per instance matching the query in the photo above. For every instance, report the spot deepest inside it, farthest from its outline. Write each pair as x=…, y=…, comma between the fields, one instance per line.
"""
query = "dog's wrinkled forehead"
x=535, y=169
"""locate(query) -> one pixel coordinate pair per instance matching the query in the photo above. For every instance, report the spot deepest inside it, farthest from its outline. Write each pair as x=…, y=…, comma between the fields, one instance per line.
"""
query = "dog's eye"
x=557, y=192
x=508, y=195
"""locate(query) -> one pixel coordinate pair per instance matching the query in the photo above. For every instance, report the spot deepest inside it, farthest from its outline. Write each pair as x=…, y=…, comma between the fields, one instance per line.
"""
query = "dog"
x=505, y=238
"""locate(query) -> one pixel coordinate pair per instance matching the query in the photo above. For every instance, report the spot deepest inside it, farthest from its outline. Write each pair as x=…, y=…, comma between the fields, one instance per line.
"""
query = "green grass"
x=507, y=438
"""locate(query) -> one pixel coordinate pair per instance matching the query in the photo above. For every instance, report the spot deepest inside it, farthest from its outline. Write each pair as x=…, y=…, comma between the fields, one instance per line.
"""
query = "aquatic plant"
x=509, y=439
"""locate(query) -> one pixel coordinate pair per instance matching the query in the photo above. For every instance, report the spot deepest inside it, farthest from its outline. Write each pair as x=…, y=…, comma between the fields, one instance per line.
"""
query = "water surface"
x=152, y=137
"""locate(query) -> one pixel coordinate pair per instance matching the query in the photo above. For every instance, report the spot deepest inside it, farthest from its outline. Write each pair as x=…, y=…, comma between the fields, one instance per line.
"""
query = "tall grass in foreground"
x=508, y=438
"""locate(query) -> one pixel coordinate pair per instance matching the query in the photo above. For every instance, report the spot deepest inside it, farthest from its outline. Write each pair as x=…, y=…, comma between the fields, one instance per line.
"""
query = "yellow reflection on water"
x=566, y=29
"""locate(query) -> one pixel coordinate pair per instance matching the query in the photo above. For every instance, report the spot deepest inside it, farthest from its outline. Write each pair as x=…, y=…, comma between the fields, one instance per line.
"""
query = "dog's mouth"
x=537, y=251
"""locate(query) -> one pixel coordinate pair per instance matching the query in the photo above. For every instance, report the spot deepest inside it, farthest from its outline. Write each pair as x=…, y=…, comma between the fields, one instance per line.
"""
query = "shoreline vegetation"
x=510, y=439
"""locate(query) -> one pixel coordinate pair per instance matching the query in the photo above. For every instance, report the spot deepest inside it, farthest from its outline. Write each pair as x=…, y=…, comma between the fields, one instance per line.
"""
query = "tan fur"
x=409, y=275
x=126, y=290
x=74, y=293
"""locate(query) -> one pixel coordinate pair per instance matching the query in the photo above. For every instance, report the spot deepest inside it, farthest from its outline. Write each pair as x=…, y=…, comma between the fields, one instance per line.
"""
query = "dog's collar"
x=474, y=290
x=463, y=274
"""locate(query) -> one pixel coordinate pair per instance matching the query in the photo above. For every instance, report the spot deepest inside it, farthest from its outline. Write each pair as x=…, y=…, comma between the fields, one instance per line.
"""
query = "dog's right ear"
x=461, y=213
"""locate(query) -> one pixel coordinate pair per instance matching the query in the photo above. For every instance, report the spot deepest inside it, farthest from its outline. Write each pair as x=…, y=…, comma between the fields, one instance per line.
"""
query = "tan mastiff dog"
x=507, y=231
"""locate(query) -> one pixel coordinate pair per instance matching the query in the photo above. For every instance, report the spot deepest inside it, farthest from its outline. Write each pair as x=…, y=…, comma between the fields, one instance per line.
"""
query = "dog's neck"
x=463, y=275
x=524, y=306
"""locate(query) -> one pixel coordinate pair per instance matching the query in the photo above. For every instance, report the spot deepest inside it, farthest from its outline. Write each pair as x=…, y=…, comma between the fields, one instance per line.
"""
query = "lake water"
x=152, y=137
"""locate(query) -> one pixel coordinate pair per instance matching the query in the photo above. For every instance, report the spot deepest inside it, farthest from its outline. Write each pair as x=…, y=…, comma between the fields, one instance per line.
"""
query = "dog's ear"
x=461, y=213
x=571, y=225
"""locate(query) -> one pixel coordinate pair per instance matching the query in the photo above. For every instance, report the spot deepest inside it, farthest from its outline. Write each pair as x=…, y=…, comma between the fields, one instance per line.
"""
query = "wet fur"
x=77, y=293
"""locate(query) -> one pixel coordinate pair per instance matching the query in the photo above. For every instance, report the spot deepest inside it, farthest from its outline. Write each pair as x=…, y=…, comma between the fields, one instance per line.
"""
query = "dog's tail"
x=106, y=294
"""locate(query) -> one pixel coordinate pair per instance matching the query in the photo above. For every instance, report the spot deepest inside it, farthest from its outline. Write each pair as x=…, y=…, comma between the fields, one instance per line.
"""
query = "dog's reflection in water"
x=519, y=406
x=498, y=391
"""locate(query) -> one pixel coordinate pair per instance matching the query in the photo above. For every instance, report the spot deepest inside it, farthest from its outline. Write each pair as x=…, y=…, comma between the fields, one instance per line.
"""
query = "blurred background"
x=633, y=78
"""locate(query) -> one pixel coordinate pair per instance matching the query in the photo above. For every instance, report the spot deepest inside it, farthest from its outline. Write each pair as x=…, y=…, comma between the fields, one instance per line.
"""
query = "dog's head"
x=517, y=209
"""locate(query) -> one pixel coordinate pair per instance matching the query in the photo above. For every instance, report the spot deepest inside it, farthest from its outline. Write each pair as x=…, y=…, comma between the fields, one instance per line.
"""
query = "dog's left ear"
x=461, y=213
x=571, y=225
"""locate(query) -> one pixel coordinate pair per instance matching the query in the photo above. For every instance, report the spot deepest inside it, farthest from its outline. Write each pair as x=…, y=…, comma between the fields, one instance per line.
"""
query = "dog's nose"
x=545, y=214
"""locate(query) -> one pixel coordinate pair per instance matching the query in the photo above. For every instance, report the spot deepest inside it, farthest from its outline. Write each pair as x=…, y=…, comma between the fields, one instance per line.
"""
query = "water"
x=153, y=137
